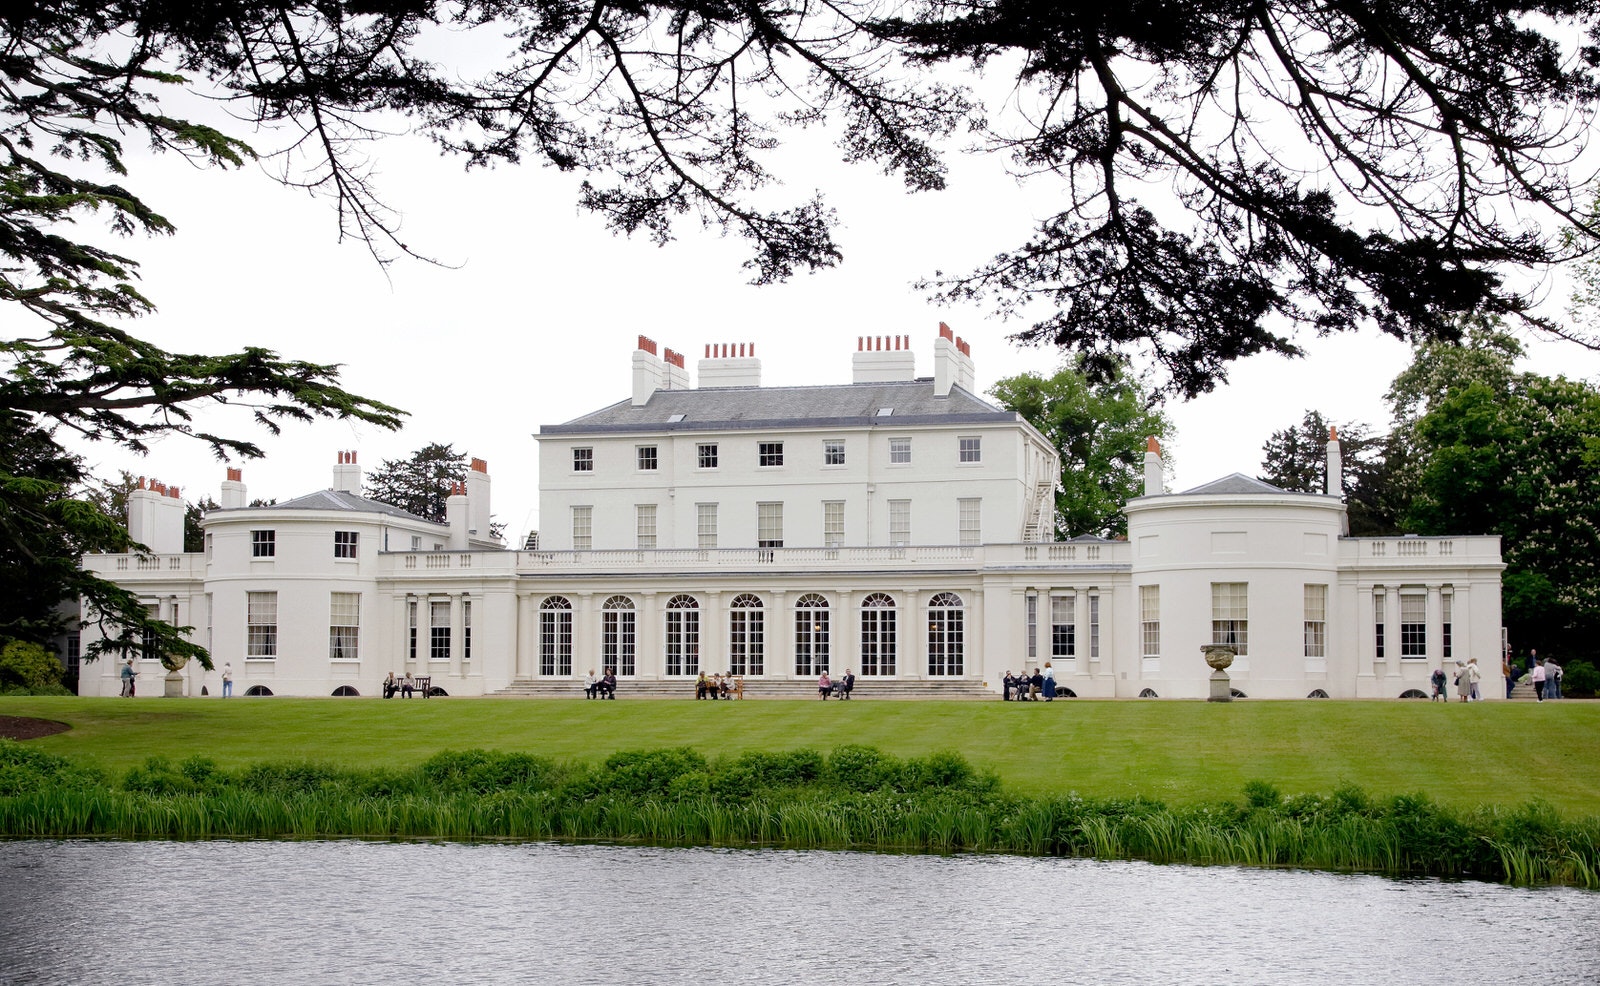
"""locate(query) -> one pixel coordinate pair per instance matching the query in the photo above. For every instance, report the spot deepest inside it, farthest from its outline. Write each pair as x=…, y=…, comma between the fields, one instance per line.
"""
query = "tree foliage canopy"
x=422, y=481
x=1296, y=459
x=1099, y=429
x=1225, y=174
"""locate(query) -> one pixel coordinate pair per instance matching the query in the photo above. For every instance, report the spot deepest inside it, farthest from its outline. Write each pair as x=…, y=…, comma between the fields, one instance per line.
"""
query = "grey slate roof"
x=1234, y=485
x=337, y=500
x=776, y=407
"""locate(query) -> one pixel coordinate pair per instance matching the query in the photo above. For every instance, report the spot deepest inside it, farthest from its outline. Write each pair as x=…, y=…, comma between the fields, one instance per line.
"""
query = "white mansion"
x=899, y=526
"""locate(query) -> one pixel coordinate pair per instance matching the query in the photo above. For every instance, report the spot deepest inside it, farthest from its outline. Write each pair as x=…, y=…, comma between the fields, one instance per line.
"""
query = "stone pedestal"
x=1221, y=687
x=174, y=682
x=1219, y=656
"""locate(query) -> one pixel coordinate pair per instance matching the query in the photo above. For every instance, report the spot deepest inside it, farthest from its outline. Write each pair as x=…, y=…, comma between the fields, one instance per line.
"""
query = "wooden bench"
x=422, y=683
x=735, y=688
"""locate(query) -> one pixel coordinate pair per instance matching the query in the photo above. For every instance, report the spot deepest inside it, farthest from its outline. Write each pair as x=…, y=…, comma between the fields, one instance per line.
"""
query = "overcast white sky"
x=535, y=320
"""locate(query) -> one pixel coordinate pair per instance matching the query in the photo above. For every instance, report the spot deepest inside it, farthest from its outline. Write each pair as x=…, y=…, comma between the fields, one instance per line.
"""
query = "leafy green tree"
x=1525, y=464
x=1335, y=165
x=421, y=482
x=29, y=665
x=1296, y=459
x=1099, y=428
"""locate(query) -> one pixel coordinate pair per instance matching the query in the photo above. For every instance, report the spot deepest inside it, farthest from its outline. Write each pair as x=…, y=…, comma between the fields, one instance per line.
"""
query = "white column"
x=972, y=660
x=647, y=656
x=585, y=642
x=780, y=636
x=1080, y=630
x=456, y=645
x=844, y=633
x=1435, y=631
x=713, y=634
x=527, y=620
x=914, y=636
x=1391, y=634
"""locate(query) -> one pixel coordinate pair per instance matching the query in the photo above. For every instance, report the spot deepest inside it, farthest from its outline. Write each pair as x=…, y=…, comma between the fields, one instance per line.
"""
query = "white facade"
x=895, y=526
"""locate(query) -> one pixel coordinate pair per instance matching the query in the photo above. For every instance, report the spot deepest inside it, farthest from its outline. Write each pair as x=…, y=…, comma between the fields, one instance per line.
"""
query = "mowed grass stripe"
x=1179, y=752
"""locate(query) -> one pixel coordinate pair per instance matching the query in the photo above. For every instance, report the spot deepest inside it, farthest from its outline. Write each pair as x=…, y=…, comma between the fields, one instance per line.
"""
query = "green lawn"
x=1490, y=753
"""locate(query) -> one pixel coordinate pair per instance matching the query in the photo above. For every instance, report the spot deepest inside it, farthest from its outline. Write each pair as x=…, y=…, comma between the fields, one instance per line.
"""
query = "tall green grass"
x=852, y=798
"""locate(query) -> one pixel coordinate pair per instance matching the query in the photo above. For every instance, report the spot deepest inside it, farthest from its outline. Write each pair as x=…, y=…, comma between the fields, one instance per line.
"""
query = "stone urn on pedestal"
x=174, y=681
x=1220, y=656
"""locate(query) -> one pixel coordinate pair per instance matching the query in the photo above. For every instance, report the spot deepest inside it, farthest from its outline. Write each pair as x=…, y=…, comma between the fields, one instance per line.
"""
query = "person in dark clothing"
x=1009, y=683
x=608, y=684
x=847, y=684
x=1036, y=685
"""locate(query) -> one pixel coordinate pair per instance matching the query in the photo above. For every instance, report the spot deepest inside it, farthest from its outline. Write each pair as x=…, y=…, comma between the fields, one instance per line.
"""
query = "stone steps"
x=788, y=689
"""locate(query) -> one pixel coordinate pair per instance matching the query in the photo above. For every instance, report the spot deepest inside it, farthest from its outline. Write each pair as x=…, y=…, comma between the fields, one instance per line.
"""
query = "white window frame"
x=1230, y=615
x=705, y=455
x=833, y=451
x=769, y=455
x=1063, y=626
x=346, y=544
x=1150, y=621
x=440, y=646
x=900, y=451
x=899, y=523
x=261, y=626
x=264, y=543
x=969, y=449
x=344, y=626
x=647, y=458
x=769, y=524
x=583, y=458
x=555, y=637
x=644, y=526
x=969, y=521
x=582, y=527
x=833, y=523
x=706, y=525
x=1316, y=621
x=1413, y=626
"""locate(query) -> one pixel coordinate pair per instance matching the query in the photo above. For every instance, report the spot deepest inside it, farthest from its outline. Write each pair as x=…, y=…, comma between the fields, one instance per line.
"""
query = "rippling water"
x=354, y=912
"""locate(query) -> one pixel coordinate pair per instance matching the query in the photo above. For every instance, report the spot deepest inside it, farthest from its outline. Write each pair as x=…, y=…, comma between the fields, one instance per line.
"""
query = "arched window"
x=682, y=638
x=1317, y=693
x=1148, y=693
x=747, y=635
x=619, y=636
x=258, y=690
x=946, y=634
x=812, y=634
x=345, y=691
x=878, y=635
x=555, y=636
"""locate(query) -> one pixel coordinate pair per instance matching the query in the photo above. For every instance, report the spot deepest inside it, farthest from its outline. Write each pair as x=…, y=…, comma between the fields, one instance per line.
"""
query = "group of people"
x=1546, y=675
x=404, y=687
x=715, y=686
x=1025, y=687
x=603, y=687
x=1467, y=677
x=840, y=689
x=1543, y=672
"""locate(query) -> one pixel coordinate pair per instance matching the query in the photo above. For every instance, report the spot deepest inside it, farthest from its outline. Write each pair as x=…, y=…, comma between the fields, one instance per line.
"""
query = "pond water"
x=355, y=912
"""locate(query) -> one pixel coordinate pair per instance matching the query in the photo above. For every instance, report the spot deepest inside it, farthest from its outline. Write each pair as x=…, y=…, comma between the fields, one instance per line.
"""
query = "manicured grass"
x=1179, y=752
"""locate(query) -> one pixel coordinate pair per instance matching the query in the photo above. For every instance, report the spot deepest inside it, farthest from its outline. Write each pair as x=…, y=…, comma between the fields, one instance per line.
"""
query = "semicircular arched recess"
x=258, y=690
x=1236, y=693
x=1149, y=693
x=1413, y=693
x=1317, y=693
x=437, y=692
x=346, y=691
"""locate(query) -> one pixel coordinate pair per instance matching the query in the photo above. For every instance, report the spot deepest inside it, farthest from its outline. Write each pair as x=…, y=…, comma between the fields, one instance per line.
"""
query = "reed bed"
x=851, y=798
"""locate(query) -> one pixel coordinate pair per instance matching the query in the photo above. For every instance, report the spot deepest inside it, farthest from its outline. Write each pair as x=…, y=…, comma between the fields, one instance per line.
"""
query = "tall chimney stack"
x=1154, y=473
